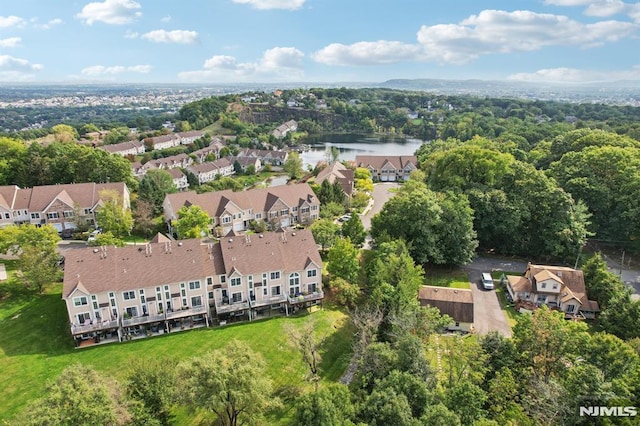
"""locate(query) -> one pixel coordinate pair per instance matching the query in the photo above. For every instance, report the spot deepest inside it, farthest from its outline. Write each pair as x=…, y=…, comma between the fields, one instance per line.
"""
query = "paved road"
x=487, y=313
x=380, y=196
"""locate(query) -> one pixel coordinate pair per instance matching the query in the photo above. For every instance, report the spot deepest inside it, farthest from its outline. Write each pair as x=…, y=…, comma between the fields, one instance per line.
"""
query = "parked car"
x=487, y=281
x=93, y=235
x=345, y=217
x=67, y=234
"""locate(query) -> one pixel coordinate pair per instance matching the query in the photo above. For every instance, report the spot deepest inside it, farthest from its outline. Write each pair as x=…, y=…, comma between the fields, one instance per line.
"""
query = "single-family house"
x=388, y=168
x=454, y=302
x=279, y=206
x=558, y=287
x=337, y=172
x=56, y=205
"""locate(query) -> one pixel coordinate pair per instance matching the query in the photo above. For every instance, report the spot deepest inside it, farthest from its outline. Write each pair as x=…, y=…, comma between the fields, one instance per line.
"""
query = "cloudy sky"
x=226, y=41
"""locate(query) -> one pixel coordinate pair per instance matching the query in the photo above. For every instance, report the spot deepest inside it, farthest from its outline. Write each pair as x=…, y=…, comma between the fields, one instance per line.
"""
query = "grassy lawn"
x=507, y=307
x=35, y=346
x=453, y=278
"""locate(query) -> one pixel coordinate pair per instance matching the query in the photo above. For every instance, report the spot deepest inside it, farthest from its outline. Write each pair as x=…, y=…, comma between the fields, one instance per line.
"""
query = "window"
x=35, y=215
x=294, y=284
x=314, y=207
x=235, y=282
x=265, y=289
x=313, y=287
x=132, y=311
x=7, y=216
x=295, y=208
x=210, y=295
x=275, y=275
x=226, y=219
x=68, y=214
x=284, y=212
x=236, y=297
x=112, y=299
x=250, y=281
x=209, y=280
x=555, y=286
x=80, y=301
x=94, y=301
x=312, y=273
x=275, y=290
x=223, y=279
x=183, y=290
x=52, y=215
x=196, y=301
x=571, y=308
x=544, y=285
x=142, y=298
x=194, y=285
x=84, y=318
x=273, y=214
x=129, y=295
x=305, y=210
x=87, y=212
x=258, y=216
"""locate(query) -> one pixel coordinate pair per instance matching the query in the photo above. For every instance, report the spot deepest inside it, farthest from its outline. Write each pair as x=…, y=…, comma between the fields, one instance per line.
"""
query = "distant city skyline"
x=271, y=41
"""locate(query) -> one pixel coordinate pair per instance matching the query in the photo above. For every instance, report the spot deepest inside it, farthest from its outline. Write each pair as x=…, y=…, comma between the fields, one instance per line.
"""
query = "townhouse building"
x=337, y=172
x=207, y=171
x=266, y=156
x=179, y=179
x=173, y=139
x=56, y=205
x=246, y=162
x=119, y=293
x=125, y=148
x=280, y=206
x=388, y=168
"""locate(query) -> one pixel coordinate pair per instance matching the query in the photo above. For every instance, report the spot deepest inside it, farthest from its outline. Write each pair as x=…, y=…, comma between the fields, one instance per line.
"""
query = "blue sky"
x=268, y=41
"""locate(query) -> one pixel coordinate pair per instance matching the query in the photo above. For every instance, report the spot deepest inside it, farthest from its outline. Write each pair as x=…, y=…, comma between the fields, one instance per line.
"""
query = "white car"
x=345, y=217
x=93, y=235
x=487, y=281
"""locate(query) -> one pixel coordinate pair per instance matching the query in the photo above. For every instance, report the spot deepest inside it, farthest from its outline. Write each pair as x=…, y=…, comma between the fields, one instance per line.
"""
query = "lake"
x=351, y=145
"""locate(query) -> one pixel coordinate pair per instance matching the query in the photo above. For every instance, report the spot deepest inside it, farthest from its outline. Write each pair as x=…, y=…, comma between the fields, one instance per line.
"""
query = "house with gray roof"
x=388, y=168
x=457, y=303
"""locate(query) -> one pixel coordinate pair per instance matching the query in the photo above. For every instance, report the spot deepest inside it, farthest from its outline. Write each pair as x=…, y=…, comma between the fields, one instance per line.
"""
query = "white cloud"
x=367, y=53
x=495, y=31
x=131, y=35
x=602, y=8
x=572, y=75
x=175, y=36
x=10, y=65
x=273, y=4
x=11, y=21
x=10, y=42
x=97, y=70
x=115, y=12
x=52, y=23
x=279, y=63
x=166, y=19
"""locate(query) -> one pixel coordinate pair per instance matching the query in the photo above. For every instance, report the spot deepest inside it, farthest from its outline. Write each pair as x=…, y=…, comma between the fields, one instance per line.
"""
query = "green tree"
x=308, y=342
x=293, y=165
x=328, y=406
x=192, y=222
x=80, y=396
x=64, y=133
x=331, y=210
x=325, y=232
x=466, y=400
x=107, y=239
x=12, y=157
x=154, y=187
x=386, y=407
x=346, y=293
x=143, y=218
x=152, y=384
x=37, y=251
x=343, y=260
x=112, y=216
x=354, y=230
x=602, y=285
x=229, y=383
x=438, y=227
x=439, y=415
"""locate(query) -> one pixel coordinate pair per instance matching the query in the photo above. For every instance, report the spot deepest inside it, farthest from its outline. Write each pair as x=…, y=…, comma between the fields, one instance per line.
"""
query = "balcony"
x=144, y=319
x=303, y=298
x=273, y=300
x=226, y=307
x=96, y=326
x=197, y=310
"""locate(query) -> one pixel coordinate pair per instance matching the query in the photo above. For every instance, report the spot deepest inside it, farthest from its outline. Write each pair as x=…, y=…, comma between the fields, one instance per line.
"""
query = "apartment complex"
x=114, y=294
x=280, y=206
x=388, y=168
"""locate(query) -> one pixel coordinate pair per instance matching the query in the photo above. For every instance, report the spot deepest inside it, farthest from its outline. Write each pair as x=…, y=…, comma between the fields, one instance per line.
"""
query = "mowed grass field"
x=35, y=346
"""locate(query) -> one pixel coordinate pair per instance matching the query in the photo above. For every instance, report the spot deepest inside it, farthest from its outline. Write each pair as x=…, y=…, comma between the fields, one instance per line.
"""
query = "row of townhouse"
x=173, y=139
x=56, y=205
x=280, y=206
x=125, y=148
x=245, y=162
x=212, y=150
x=337, y=172
x=209, y=170
x=112, y=294
x=387, y=168
x=167, y=163
x=282, y=130
x=266, y=156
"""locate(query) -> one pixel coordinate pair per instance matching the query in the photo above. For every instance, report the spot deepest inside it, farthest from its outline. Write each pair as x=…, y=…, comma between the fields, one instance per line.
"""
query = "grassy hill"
x=35, y=346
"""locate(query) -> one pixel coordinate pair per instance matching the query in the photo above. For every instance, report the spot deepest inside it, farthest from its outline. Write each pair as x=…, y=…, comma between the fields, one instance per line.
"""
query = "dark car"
x=66, y=234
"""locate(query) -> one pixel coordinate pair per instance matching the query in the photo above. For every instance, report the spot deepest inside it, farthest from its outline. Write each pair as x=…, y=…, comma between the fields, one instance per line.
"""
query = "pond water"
x=351, y=145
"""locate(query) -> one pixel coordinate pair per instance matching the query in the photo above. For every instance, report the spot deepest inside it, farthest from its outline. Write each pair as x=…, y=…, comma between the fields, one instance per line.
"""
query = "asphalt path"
x=381, y=194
